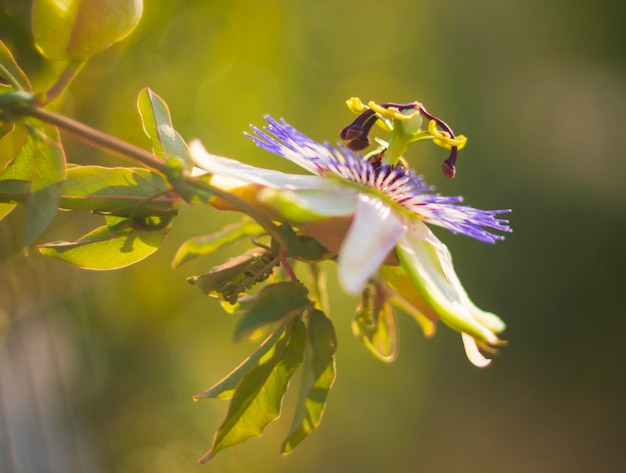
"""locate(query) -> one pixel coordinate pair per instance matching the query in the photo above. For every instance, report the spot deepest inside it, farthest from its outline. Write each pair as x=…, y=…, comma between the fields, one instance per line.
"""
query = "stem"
x=64, y=80
x=99, y=139
x=242, y=205
x=285, y=264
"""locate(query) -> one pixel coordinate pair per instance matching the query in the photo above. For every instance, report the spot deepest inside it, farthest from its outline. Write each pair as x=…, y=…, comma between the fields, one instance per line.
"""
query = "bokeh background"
x=97, y=369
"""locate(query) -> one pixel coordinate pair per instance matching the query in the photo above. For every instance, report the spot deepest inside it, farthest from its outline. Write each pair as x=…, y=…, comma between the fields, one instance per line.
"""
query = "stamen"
x=449, y=165
x=358, y=130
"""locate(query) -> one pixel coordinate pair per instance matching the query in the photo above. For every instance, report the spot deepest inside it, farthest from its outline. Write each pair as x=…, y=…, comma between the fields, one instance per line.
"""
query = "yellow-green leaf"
x=119, y=191
x=318, y=378
x=108, y=247
x=225, y=388
x=11, y=72
x=40, y=162
x=157, y=124
x=258, y=398
x=274, y=302
x=206, y=244
x=122, y=192
x=5, y=209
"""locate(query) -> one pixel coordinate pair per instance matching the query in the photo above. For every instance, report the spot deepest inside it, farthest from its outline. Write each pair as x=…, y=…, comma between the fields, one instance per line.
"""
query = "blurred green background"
x=97, y=369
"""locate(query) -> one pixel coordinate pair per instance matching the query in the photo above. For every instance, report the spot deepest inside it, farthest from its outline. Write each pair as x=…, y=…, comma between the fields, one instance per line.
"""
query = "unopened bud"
x=75, y=30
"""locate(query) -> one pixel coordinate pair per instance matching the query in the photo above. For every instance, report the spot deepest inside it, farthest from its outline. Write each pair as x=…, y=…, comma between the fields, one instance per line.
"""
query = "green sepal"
x=428, y=265
x=257, y=401
x=318, y=378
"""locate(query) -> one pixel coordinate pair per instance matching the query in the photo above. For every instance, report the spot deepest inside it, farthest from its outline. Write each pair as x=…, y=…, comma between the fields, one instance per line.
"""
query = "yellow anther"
x=355, y=105
x=393, y=113
x=443, y=139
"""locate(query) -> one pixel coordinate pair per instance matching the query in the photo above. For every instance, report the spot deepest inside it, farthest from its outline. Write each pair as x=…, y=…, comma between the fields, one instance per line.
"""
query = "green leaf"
x=225, y=388
x=11, y=72
x=119, y=191
x=274, y=302
x=157, y=124
x=206, y=244
x=258, y=398
x=41, y=162
x=319, y=376
x=6, y=209
x=14, y=190
x=108, y=247
x=375, y=324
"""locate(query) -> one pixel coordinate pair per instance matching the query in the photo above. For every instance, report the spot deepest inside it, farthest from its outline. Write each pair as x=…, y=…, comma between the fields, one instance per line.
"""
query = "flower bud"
x=75, y=30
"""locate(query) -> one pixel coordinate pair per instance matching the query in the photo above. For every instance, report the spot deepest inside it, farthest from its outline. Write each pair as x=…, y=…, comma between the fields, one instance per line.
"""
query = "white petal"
x=428, y=264
x=310, y=205
x=488, y=319
x=473, y=353
x=374, y=232
x=246, y=174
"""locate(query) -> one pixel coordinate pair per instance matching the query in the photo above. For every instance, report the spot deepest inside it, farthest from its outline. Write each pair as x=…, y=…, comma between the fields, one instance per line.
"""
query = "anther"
x=357, y=127
x=449, y=165
x=358, y=130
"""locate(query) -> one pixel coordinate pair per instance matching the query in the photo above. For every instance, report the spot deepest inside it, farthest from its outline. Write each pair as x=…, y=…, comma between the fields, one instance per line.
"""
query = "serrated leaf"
x=119, y=191
x=11, y=72
x=274, y=302
x=225, y=388
x=108, y=247
x=157, y=124
x=206, y=244
x=318, y=379
x=258, y=398
x=41, y=162
x=375, y=324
